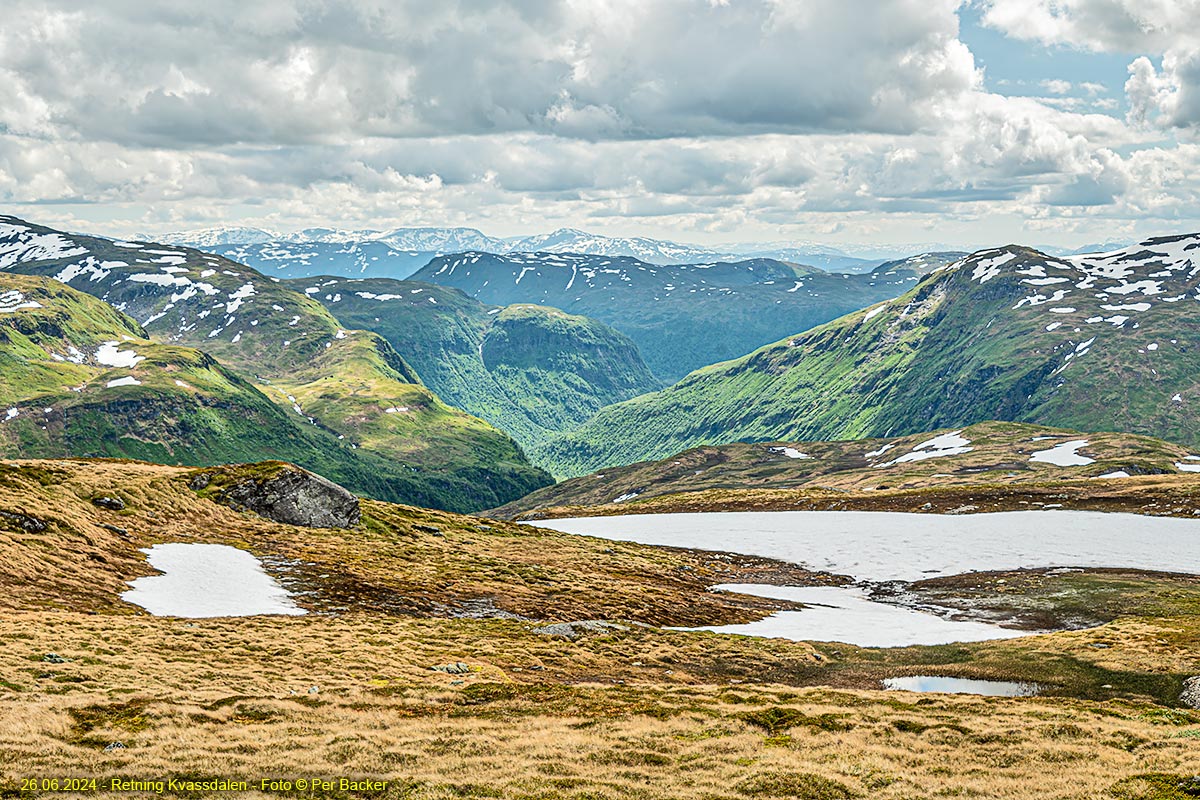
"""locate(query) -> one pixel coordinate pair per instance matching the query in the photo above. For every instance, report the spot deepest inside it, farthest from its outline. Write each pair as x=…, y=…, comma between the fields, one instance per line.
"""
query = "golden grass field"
x=644, y=712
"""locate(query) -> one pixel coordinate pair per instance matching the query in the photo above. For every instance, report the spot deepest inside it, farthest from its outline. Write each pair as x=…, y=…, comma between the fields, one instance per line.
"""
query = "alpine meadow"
x=670, y=400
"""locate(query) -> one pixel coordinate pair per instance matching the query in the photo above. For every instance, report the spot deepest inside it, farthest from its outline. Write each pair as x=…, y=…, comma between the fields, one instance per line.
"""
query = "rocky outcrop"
x=1191, y=693
x=24, y=521
x=282, y=493
x=110, y=503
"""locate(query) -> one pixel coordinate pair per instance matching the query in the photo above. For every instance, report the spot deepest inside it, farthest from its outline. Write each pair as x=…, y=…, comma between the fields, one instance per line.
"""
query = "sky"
x=973, y=123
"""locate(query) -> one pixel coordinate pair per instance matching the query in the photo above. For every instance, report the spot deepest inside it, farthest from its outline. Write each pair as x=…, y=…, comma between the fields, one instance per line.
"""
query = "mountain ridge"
x=1089, y=342
x=350, y=386
x=680, y=316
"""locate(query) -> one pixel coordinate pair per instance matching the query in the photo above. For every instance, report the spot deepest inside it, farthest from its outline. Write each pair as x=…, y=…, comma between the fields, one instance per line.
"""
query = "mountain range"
x=681, y=317
x=529, y=370
x=400, y=252
x=264, y=372
x=1101, y=342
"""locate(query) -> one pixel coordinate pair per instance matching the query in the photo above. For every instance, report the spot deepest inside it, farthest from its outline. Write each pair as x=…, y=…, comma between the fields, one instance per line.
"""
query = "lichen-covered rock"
x=579, y=628
x=282, y=493
x=455, y=668
x=1191, y=693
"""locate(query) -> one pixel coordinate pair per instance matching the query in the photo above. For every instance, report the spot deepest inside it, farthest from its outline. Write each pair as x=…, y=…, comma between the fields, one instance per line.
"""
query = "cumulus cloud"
x=1122, y=26
x=711, y=116
x=1163, y=28
x=296, y=71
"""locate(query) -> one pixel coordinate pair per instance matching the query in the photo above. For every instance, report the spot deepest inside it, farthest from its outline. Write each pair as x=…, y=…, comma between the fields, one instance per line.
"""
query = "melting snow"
x=238, y=297
x=15, y=301
x=1064, y=455
x=875, y=311
x=989, y=268
x=847, y=614
x=947, y=444
x=111, y=356
x=208, y=580
x=790, y=452
x=126, y=381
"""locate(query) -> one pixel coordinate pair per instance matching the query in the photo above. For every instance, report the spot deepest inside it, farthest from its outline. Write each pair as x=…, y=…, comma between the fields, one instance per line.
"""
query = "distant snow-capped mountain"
x=651, y=251
x=363, y=253
x=442, y=241
x=212, y=237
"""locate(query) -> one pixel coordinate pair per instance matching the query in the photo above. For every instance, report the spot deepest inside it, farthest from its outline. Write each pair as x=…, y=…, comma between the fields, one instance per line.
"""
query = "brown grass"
x=232, y=698
x=640, y=713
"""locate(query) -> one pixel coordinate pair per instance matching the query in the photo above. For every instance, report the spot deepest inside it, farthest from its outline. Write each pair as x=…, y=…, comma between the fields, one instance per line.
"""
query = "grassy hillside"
x=681, y=316
x=639, y=711
x=81, y=378
x=529, y=370
x=1094, y=343
x=335, y=384
x=989, y=459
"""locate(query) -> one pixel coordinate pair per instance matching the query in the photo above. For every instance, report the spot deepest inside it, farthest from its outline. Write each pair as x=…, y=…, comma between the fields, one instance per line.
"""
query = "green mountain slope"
x=346, y=384
x=81, y=378
x=529, y=370
x=1107, y=342
x=681, y=316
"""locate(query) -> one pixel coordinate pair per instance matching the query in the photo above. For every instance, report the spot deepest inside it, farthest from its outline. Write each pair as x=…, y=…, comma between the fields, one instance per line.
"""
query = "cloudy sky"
x=973, y=123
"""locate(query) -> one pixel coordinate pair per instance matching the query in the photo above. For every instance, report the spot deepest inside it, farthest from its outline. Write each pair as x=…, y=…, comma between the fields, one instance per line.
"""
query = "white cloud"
x=1122, y=26
x=1164, y=28
x=772, y=117
x=1056, y=86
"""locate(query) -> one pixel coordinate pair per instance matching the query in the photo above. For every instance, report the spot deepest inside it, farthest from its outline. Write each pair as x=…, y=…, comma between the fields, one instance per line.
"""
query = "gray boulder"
x=283, y=493
x=1191, y=693
x=24, y=521
x=456, y=668
x=579, y=628
x=109, y=502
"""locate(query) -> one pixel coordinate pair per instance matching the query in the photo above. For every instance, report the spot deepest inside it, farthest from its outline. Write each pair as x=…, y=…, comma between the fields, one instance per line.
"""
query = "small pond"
x=934, y=683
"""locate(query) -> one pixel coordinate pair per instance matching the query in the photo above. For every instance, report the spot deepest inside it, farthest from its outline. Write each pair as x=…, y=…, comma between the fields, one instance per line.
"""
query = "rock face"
x=1191, y=693
x=286, y=494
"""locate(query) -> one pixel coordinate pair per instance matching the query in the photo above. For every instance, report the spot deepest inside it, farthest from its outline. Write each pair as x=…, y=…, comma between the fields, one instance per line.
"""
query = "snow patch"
x=1065, y=454
x=208, y=580
x=110, y=355
x=946, y=444
x=13, y=300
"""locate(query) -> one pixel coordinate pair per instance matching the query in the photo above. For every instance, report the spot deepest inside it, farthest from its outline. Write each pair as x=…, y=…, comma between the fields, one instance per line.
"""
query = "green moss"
x=798, y=785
